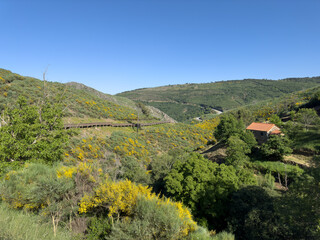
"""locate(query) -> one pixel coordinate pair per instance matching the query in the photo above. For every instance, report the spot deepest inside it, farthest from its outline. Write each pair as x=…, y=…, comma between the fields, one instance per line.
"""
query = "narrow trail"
x=109, y=124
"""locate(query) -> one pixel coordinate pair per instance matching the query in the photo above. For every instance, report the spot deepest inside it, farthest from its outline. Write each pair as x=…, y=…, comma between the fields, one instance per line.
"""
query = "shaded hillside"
x=191, y=100
x=79, y=100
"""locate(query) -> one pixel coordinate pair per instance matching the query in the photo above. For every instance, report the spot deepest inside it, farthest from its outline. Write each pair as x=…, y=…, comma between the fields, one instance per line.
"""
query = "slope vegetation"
x=79, y=100
x=191, y=100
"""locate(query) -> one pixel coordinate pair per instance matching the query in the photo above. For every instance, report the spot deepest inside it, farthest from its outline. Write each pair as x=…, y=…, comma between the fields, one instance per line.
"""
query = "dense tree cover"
x=257, y=213
x=205, y=186
x=252, y=214
x=299, y=210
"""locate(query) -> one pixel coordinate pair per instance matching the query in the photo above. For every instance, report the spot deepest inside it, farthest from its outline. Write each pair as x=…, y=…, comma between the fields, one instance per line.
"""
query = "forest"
x=196, y=180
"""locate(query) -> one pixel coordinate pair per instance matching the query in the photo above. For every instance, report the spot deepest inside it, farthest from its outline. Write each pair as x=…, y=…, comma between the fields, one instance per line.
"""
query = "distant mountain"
x=191, y=100
x=78, y=99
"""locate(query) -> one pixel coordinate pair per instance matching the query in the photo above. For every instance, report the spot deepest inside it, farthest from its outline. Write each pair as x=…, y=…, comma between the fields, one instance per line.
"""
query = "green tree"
x=252, y=214
x=205, y=187
x=187, y=180
x=236, y=152
x=307, y=116
x=228, y=127
x=162, y=165
x=276, y=147
x=275, y=119
x=32, y=133
x=249, y=139
x=299, y=209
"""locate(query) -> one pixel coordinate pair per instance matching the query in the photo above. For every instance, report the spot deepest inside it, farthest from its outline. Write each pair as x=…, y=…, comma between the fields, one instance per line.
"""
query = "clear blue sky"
x=119, y=45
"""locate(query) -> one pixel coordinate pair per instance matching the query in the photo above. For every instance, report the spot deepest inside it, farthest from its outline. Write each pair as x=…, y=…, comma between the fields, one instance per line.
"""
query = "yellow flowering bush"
x=120, y=199
x=116, y=197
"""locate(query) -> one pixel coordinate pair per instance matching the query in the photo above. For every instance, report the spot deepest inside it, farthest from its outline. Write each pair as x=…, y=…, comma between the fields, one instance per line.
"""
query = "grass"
x=299, y=159
x=17, y=225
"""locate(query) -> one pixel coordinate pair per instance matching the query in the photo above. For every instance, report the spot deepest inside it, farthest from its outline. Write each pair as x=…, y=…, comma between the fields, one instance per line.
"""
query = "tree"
x=276, y=147
x=187, y=180
x=299, y=209
x=307, y=116
x=32, y=133
x=205, y=187
x=275, y=119
x=162, y=165
x=252, y=214
x=236, y=152
x=227, y=127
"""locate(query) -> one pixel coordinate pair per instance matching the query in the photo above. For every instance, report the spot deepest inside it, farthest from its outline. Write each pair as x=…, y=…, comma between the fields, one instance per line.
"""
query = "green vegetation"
x=205, y=187
x=31, y=133
x=16, y=225
x=193, y=100
x=77, y=101
x=155, y=183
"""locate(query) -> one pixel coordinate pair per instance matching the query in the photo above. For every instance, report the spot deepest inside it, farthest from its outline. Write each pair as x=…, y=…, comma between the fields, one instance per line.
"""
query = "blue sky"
x=119, y=45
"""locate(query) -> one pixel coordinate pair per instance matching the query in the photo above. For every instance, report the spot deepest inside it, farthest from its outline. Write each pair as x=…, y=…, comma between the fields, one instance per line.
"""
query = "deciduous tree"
x=32, y=133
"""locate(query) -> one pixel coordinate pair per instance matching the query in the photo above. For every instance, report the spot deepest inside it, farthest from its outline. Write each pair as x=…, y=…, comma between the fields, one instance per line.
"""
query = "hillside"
x=191, y=100
x=79, y=100
x=110, y=181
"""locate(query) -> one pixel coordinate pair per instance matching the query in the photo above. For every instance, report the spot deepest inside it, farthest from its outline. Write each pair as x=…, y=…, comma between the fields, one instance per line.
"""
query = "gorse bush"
x=119, y=200
x=153, y=141
x=34, y=187
x=151, y=221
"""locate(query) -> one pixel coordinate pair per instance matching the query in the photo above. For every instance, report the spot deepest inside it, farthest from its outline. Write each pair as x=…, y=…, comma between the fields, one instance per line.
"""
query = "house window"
x=261, y=133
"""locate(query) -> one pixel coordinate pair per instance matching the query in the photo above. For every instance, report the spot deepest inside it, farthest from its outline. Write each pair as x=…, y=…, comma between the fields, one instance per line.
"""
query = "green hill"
x=79, y=100
x=191, y=100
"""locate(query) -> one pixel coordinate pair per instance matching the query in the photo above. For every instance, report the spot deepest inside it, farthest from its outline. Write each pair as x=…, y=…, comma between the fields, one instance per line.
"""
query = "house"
x=262, y=131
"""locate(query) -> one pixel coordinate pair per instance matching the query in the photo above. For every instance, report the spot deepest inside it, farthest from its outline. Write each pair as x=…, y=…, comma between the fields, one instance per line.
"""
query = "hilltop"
x=192, y=100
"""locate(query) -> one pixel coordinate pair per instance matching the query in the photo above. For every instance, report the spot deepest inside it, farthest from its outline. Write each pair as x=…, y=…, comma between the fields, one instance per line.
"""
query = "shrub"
x=151, y=221
x=98, y=228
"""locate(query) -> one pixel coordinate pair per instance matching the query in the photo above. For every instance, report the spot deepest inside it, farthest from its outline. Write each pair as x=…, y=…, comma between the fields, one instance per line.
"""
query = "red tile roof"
x=264, y=127
x=275, y=132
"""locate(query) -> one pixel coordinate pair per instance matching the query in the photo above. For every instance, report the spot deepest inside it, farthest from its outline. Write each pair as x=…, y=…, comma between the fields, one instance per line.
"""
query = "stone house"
x=262, y=131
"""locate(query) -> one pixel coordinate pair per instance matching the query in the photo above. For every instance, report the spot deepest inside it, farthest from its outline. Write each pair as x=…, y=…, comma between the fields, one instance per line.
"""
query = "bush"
x=224, y=236
x=150, y=221
x=98, y=228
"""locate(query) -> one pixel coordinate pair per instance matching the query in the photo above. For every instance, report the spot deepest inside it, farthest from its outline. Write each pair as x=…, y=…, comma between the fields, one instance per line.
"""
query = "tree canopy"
x=32, y=133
